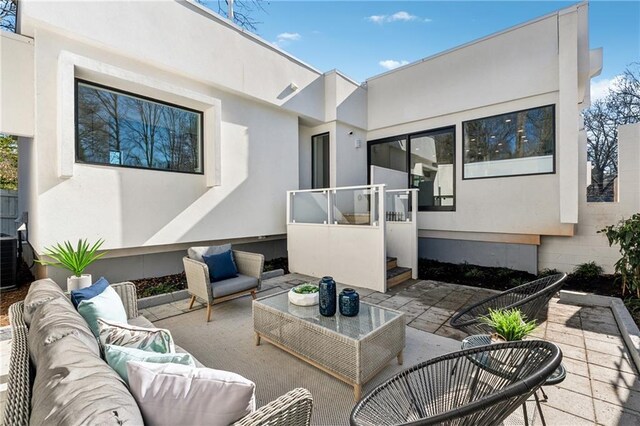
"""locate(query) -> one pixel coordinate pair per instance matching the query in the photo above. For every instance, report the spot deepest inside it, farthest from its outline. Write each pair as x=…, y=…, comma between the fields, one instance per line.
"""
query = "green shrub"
x=548, y=272
x=510, y=324
x=626, y=233
x=587, y=271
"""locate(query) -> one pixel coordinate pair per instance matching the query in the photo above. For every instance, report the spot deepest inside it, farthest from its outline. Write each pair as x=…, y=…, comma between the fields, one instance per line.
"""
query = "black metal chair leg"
x=535, y=394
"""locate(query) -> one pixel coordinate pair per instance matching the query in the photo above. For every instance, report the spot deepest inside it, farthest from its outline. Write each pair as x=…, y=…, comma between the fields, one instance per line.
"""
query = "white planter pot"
x=74, y=283
x=309, y=299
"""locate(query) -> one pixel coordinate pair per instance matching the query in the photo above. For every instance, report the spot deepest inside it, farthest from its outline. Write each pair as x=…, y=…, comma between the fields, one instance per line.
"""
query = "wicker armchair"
x=530, y=298
x=291, y=409
x=480, y=386
x=200, y=287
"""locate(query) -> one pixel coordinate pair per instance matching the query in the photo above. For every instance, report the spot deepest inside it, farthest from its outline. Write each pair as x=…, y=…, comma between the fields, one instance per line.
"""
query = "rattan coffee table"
x=352, y=349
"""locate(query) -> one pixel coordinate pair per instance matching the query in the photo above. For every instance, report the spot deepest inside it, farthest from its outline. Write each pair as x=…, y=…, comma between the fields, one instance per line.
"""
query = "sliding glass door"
x=423, y=160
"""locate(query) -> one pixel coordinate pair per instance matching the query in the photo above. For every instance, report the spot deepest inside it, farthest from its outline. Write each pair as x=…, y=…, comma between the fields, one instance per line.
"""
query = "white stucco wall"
x=16, y=84
x=587, y=245
x=501, y=73
x=200, y=45
x=132, y=208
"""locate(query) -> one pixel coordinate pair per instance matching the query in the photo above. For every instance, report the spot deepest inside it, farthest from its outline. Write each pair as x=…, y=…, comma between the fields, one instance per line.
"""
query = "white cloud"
x=400, y=16
x=390, y=64
x=288, y=36
x=284, y=39
x=600, y=88
x=377, y=19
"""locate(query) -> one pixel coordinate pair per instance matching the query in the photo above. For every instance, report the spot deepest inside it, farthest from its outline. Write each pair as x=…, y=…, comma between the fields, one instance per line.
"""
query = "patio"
x=601, y=387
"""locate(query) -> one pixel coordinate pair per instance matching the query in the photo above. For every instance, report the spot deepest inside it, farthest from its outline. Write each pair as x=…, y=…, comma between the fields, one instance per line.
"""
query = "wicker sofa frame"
x=530, y=298
x=199, y=285
x=480, y=387
x=291, y=409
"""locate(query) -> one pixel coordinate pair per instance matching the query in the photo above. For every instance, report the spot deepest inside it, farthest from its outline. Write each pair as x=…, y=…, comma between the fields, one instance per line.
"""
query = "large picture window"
x=121, y=129
x=517, y=143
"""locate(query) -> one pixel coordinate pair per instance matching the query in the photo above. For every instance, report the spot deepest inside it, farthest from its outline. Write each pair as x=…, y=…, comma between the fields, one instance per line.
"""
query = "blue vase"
x=349, y=302
x=327, y=296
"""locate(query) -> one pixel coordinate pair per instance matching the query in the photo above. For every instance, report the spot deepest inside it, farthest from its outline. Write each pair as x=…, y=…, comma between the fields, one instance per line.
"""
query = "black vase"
x=349, y=302
x=327, y=296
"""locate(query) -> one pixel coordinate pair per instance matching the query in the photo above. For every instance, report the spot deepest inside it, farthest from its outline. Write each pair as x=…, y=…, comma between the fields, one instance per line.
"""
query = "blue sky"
x=365, y=38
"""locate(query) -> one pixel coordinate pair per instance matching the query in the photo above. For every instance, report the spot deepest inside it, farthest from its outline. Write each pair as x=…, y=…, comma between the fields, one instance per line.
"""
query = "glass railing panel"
x=398, y=206
x=309, y=207
x=355, y=206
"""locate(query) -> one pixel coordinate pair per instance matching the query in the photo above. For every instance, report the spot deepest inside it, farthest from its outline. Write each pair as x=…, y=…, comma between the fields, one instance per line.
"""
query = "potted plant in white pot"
x=76, y=260
x=304, y=295
x=508, y=325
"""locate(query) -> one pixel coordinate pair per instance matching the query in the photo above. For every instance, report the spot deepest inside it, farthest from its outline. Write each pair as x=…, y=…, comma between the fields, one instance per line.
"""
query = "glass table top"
x=370, y=318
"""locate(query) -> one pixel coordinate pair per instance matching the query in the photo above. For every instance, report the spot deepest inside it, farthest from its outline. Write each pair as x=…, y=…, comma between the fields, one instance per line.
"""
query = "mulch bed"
x=9, y=297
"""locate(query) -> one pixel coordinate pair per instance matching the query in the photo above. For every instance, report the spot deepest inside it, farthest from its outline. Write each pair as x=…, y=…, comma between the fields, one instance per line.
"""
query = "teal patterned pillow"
x=147, y=339
x=117, y=357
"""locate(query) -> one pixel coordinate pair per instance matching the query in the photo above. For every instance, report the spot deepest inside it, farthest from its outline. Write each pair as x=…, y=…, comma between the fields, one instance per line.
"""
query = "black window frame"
x=78, y=81
x=555, y=144
x=313, y=160
x=408, y=137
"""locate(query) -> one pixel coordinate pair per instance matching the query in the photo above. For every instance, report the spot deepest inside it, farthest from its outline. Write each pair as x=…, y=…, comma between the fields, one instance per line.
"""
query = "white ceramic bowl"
x=308, y=299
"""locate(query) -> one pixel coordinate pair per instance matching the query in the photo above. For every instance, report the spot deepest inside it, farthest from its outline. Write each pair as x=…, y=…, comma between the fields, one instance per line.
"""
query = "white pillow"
x=173, y=394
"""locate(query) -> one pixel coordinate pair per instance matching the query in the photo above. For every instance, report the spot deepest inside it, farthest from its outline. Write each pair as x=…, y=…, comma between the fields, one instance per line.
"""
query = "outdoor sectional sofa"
x=57, y=376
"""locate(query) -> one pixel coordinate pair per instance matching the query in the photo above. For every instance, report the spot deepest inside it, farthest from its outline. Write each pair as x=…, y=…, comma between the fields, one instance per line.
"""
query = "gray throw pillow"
x=196, y=253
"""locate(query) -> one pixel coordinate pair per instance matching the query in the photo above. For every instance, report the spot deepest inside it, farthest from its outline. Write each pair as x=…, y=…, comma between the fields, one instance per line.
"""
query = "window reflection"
x=432, y=168
x=118, y=129
x=510, y=144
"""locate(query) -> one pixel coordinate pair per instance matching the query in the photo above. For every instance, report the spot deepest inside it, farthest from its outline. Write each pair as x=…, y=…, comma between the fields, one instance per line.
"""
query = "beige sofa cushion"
x=40, y=292
x=54, y=320
x=73, y=386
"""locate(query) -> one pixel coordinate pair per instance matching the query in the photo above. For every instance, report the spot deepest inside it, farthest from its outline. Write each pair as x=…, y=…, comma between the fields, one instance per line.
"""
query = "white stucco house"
x=157, y=140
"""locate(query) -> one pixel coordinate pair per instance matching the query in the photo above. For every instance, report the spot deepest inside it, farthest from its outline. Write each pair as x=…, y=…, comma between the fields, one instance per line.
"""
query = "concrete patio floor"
x=602, y=385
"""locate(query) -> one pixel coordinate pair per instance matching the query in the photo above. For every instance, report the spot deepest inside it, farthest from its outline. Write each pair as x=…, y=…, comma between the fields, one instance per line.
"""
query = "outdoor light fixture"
x=294, y=87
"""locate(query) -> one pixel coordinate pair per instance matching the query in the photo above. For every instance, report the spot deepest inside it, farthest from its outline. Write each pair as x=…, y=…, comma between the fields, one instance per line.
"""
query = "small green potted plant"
x=75, y=260
x=508, y=324
x=304, y=295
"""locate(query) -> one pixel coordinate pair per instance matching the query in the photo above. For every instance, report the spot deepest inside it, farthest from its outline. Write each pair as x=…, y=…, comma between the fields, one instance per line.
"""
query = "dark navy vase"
x=327, y=296
x=349, y=302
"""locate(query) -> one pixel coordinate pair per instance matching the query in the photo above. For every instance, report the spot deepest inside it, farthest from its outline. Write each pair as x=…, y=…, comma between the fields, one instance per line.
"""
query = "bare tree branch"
x=620, y=106
x=8, y=14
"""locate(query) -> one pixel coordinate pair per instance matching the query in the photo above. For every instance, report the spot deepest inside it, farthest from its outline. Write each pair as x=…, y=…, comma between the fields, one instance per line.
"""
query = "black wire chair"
x=479, y=386
x=530, y=298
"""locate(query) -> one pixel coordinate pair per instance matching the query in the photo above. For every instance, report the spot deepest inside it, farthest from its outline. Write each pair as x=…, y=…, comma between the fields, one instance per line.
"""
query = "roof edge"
x=559, y=12
x=208, y=13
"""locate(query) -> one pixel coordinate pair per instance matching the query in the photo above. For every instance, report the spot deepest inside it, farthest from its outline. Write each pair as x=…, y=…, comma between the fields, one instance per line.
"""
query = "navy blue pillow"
x=90, y=292
x=221, y=266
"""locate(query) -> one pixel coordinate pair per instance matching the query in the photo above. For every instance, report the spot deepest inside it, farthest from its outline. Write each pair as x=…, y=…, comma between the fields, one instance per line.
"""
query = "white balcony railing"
x=348, y=233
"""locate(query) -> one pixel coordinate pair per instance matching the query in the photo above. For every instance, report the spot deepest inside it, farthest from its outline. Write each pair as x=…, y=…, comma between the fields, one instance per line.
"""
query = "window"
x=121, y=129
x=389, y=153
x=517, y=143
x=320, y=161
x=432, y=168
x=426, y=159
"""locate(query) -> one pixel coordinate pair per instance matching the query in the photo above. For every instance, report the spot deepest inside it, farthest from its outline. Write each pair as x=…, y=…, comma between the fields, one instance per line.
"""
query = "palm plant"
x=76, y=259
x=509, y=324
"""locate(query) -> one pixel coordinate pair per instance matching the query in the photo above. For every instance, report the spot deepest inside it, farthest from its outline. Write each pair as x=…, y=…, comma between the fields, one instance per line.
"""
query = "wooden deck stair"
x=396, y=274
